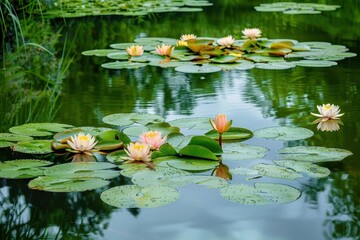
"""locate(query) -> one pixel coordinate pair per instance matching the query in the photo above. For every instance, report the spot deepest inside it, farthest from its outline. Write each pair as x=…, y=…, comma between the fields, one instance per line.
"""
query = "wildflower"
x=135, y=50
x=221, y=124
x=186, y=37
x=226, y=41
x=153, y=139
x=164, y=50
x=328, y=111
x=82, y=143
x=251, y=33
x=138, y=152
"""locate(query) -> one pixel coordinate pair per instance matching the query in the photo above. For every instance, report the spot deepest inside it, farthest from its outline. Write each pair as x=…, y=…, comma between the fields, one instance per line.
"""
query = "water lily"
x=220, y=125
x=153, y=139
x=164, y=50
x=82, y=143
x=328, y=111
x=138, y=152
x=181, y=43
x=330, y=125
x=186, y=37
x=251, y=33
x=226, y=41
x=135, y=50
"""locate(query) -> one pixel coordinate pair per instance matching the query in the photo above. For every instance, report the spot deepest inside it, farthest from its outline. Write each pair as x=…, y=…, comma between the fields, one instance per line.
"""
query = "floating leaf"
x=55, y=184
x=314, y=154
x=197, y=69
x=312, y=170
x=234, y=133
x=260, y=194
x=315, y=63
x=200, y=123
x=99, y=52
x=189, y=164
x=274, y=171
x=239, y=151
x=163, y=127
x=22, y=168
x=197, y=152
x=244, y=171
x=123, y=65
x=132, y=196
x=124, y=119
x=275, y=65
x=284, y=133
x=39, y=129
x=10, y=137
x=34, y=147
x=207, y=142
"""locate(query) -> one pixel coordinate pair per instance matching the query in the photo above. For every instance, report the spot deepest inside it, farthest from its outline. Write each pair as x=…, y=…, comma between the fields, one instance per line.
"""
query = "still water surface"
x=327, y=209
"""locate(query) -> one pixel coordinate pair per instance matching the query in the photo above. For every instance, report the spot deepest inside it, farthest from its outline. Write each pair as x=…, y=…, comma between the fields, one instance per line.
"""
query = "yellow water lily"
x=135, y=50
x=153, y=139
x=82, y=143
x=251, y=33
x=186, y=37
x=328, y=111
x=181, y=43
x=164, y=50
x=138, y=152
x=226, y=41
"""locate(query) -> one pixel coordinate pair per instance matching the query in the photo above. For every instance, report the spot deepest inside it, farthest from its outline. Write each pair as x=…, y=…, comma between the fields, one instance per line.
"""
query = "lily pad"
x=123, y=65
x=312, y=170
x=99, y=52
x=234, y=133
x=22, y=168
x=162, y=127
x=34, y=147
x=284, y=133
x=260, y=194
x=10, y=137
x=197, y=151
x=240, y=151
x=133, y=196
x=198, y=69
x=274, y=171
x=314, y=154
x=200, y=123
x=125, y=119
x=56, y=184
x=39, y=129
x=314, y=63
x=189, y=164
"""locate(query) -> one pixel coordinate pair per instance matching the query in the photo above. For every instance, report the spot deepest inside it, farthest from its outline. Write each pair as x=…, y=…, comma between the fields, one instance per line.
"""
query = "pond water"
x=328, y=208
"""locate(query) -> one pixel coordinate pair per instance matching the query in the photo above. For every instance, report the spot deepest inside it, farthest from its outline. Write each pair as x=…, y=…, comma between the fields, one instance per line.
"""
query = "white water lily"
x=186, y=37
x=328, y=111
x=251, y=33
x=226, y=41
x=82, y=143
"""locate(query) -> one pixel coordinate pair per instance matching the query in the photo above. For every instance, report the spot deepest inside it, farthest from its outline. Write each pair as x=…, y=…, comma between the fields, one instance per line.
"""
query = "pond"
x=328, y=207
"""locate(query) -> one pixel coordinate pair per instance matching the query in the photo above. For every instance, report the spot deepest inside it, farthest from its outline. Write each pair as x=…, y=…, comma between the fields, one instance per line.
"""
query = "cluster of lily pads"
x=82, y=8
x=295, y=8
x=159, y=158
x=192, y=54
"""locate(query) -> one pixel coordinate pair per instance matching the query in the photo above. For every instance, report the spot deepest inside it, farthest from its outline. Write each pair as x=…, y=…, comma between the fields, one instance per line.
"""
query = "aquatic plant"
x=193, y=54
x=296, y=8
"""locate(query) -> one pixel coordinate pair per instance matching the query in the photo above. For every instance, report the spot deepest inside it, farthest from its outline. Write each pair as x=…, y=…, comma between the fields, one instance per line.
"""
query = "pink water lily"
x=328, y=111
x=221, y=124
x=226, y=41
x=153, y=139
x=251, y=33
x=135, y=50
x=82, y=143
x=164, y=50
x=138, y=152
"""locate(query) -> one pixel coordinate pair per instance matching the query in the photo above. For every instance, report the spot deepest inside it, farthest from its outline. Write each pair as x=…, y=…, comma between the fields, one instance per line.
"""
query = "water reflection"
x=328, y=125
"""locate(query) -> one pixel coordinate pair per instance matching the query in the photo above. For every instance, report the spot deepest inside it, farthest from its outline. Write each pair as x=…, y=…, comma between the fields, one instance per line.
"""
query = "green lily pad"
x=240, y=151
x=207, y=142
x=22, y=168
x=312, y=170
x=244, y=171
x=119, y=55
x=178, y=140
x=163, y=127
x=275, y=65
x=39, y=129
x=82, y=170
x=200, y=123
x=314, y=63
x=274, y=171
x=197, y=69
x=234, y=133
x=10, y=137
x=34, y=147
x=284, y=133
x=56, y=184
x=260, y=194
x=189, y=164
x=314, y=154
x=123, y=65
x=132, y=196
x=99, y=52
x=197, y=151
x=124, y=119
